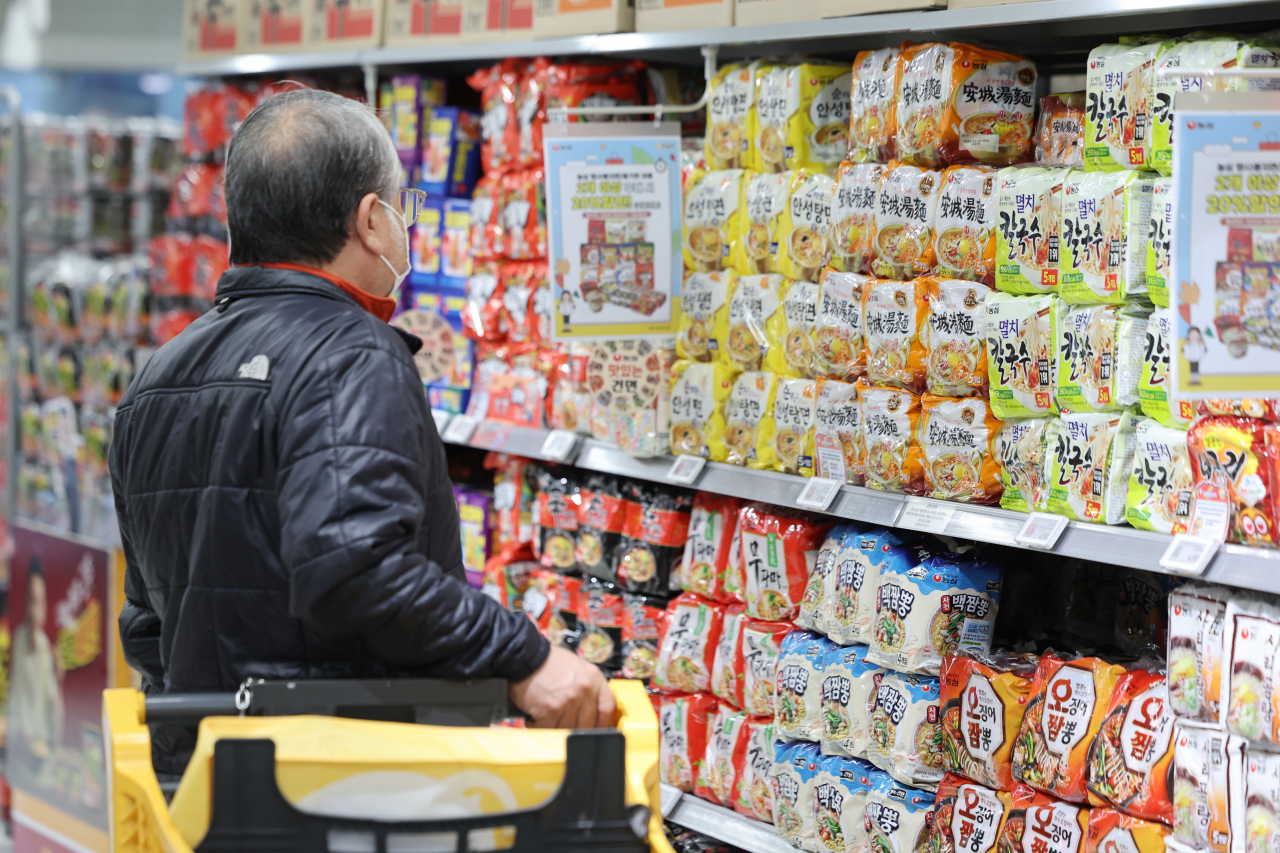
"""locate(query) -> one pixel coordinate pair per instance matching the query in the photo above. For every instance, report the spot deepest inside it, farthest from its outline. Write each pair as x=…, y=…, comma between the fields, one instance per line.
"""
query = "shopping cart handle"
x=190, y=708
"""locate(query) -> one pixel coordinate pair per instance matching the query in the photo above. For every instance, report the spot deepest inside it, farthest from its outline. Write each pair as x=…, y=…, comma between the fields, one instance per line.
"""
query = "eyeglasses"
x=411, y=203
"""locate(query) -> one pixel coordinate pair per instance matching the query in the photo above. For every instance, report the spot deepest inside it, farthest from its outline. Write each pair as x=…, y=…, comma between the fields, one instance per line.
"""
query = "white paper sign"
x=926, y=515
x=1041, y=530
x=460, y=429
x=559, y=444
x=1188, y=554
x=818, y=493
x=441, y=418
x=686, y=469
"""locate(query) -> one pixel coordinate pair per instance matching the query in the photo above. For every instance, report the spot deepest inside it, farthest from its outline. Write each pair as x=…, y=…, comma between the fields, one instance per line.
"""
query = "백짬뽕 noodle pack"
x=703, y=308
x=1099, y=357
x=906, y=729
x=853, y=209
x=791, y=411
x=804, y=225
x=1105, y=218
x=896, y=815
x=793, y=327
x=1131, y=755
x=1021, y=335
x=849, y=683
x=958, y=441
x=1068, y=704
x=943, y=604
x=744, y=419
x=838, y=327
x=1028, y=223
x=726, y=678
x=1155, y=386
x=895, y=313
x=745, y=338
x=1197, y=614
x=764, y=198
x=905, y=216
x=682, y=725
x=812, y=615
x=892, y=460
x=758, y=653
x=1110, y=830
x=835, y=442
x=711, y=221
x=795, y=767
x=799, y=685
x=1023, y=449
x=753, y=766
x=965, y=241
x=706, y=550
x=873, y=127
x=1091, y=457
x=779, y=548
x=983, y=701
x=1160, y=496
x=698, y=392
x=839, y=800
x=851, y=606
x=687, y=644
x=954, y=336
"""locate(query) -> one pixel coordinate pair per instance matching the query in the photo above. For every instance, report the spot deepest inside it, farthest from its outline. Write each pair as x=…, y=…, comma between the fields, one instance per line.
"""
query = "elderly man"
x=283, y=498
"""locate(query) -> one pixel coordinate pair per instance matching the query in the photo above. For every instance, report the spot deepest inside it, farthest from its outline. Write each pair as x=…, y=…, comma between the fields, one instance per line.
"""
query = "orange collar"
x=381, y=307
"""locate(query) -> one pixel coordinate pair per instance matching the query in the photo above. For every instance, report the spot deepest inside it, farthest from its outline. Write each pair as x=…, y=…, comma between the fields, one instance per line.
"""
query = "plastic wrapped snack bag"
x=853, y=208
x=818, y=130
x=848, y=687
x=1251, y=631
x=894, y=314
x=792, y=413
x=758, y=654
x=703, y=308
x=905, y=216
x=896, y=816
x=1028, y=239
x=687, y=645
x=1060, y=131
x=892, y=461
x=957, y=438
x=745, y=337
x=965, y=242
x=1113, y=830
x=726, y=679
x=706, y=550
x=764, y=199
x=1105, y=221
x=873, y=127
x=1120, y=117
x=942, y=605
x=954, y=336
x=799, y=683
x=1131, y=756
x=640, y=621
x=653, y=538
x=731, y=94
x=838, y=328
x=1023, y=449
x=835, y=442
x=1099, y=357
x=744, y=415
x=1156, y=385
x=793, y=326
x=805, y=224
x=1068, y=704
x=851, y=607
x=1160, y=485
x=779, y=549
x=698, y=392
x=711, y=221
x=1160, y=241
x=1197, y=614
x=602, y=516
x=983, y=701
x=906, y=729
x=1091, y=456
x=1021, y=336
x=795, y=767
x=682, y=728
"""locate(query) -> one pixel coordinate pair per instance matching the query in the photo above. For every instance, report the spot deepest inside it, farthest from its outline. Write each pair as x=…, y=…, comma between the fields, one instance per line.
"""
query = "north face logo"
x=255, y=368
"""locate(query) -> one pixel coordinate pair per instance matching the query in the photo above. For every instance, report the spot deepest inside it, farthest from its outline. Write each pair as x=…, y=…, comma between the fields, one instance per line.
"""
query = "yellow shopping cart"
x=321, y=766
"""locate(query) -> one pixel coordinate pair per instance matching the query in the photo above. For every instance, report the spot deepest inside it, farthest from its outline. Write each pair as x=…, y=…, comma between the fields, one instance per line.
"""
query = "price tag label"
x=818, y=493
x=1041, y=531
x=441, y=418
x=686, y=469
x=1188, y=554
x=926, y=515
x=460, y=429
x=559, y=445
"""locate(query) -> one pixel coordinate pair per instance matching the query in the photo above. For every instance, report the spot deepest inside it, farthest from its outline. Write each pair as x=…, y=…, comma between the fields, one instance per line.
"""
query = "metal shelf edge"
x=723, y=824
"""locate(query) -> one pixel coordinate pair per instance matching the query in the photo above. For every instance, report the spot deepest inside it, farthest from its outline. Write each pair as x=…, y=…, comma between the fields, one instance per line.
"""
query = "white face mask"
x=400, y=276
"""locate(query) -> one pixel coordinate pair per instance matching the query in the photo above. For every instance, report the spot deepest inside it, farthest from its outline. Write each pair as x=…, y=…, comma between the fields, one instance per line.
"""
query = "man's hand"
x=566, y=692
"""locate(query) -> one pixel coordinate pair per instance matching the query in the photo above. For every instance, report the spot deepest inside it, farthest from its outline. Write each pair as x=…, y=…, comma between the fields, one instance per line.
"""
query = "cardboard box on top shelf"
x=519, y=19
x=273, y=26
x=210, y=28
x=843, y=8
x=654, y=16
x=553, y=18
x=344, y=24
x=428, y=22
x=748, y=12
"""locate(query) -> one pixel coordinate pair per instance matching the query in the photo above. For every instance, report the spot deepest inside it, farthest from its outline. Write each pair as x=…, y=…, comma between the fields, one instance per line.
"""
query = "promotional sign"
x=1226, y=252
x=614, y=217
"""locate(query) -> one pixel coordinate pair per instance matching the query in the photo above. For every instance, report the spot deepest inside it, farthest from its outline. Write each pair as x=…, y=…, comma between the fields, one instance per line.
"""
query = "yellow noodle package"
x=872, y=124
x=711, y=221
x=729, y=99
x=791, y=411
x=957, y=438
x=965, y=245
x=804, y=225
x=764, y=198
x=793, y=326
x=1020, y=353
x=698, y=392
x=1104, y=228
x=777, y=100
x=838, y=328
x=704, y=305
x=853, y=210
x=955, y=333
x=1022, y=446
x=744, y=338
x=1160, y=485
x=836, y=441
x=906, y=212
x=893, y=313
x=891, y=459
x=746, y=439
x=818, y=133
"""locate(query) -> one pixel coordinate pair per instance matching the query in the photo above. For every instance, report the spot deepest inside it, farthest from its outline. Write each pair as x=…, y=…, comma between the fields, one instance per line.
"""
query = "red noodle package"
x=687, y=644
x=682, y=728
x=706, y=548
x=653, y=537
x=524, y=215
x=574, y=84
x=758, y=651
x=601, y=613
x=778, y=552
x=499, y=88
x=1130, y=757
x=753, y=765
x=1036, y=823
x=726, y=677
x=704, y=785
x=983, y=701
x=1231, y=462
x=486, y=225
x=601, y=516
x=514, y=283
x=482, y=317
x=733, y=584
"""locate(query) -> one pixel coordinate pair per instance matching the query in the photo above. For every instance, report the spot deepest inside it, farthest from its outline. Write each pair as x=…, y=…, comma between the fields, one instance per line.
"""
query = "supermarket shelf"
x=1045, y=26
x=720, y=823
x=519, y=441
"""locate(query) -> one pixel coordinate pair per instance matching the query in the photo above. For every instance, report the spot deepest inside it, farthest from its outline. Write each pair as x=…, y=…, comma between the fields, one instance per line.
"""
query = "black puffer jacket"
x=285, y=507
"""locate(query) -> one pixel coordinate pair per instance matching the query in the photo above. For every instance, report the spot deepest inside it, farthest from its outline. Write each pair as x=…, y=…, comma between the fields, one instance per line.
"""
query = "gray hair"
x=296, y=171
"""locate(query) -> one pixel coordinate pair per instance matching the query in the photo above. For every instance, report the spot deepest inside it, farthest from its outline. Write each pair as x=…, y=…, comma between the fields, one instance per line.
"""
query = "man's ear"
x=371, y=225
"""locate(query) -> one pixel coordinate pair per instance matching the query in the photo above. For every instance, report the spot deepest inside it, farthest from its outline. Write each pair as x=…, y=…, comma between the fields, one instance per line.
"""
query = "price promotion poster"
x=1226, y=254
x=613, y=203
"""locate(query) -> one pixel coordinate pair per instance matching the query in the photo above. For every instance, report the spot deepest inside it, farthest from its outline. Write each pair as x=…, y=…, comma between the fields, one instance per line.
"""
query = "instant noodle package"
x=895, y=314
x=687, y=644
x=849, y=684
x=1251, y=632
x=765, y=197
x=1120, y=118
x=1092, y=457
x=1155, y=384
x=966, y=817
x=839, y=803
x=653, y=537
x=801, y=117
x=1111, y=830
x=745, y=439
x=1060, y=131
x=804, y=225
x=983, y=701
x=602, y=515
x=955, y=337
x=1105, y=219
x=640, y=619
x=726, y=679
x=711, y=221
x=626, y=378
x=853, y=209
x=707, y=783
x=835, y=445
x=682, y=726
x=707, y=548
x=792, y=412
x=704, y=305
x=793, y=775
x=698, y=392
x=1021, y=348
x=1208, y=789
x=1197, y=615
x=758, y=651
x=957, y=438
x=896, y=816
x=905, y=729
x=873, y=128
x=1065, y=712
x=838, y=350
x=941, y=605
x=730, y=96
x=812, y=614
x=753, y=764
x=892, y=460
x=965, y=245
x=1160, y=241
x=1029, y=222
x=601, y=614
x=746, y=336
x=905, y=216
x=1160, y=487
x=1099, y=357
x=1130, y=758
x=793, y=326
x=779, y=549
x=1233, y=462
x=1036, y=822
x=1023, y=449
x=850, y=606
x=799, y=684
